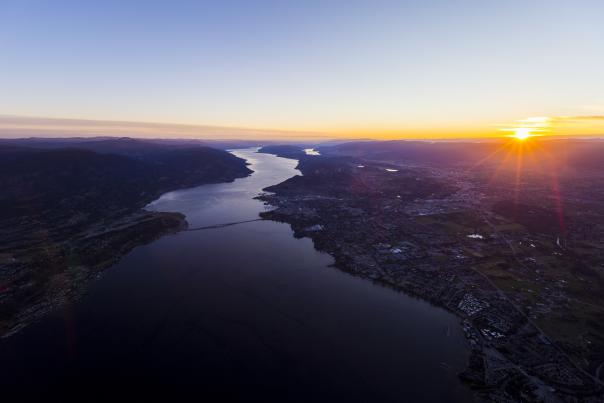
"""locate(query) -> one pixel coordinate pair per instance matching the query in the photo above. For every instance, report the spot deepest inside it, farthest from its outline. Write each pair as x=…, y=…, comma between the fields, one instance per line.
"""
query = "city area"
x=486, y=244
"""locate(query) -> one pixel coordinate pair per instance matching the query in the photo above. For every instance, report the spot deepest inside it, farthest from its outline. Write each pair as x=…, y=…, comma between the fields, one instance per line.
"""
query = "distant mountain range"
x=580, y=153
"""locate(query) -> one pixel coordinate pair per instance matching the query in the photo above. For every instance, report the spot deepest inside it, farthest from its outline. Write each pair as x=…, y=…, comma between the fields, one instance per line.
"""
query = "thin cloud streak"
x=571, y=118
x=551, y=125
x=19, y=126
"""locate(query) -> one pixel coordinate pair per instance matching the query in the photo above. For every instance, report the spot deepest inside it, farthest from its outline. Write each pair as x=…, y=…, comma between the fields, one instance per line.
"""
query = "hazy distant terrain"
x=579, y=153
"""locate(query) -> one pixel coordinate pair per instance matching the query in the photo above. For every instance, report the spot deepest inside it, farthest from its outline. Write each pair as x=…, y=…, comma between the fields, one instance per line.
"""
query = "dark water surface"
x=242, y=312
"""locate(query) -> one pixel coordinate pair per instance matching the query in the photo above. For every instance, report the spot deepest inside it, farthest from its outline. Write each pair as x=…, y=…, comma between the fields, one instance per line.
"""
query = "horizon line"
x=22, y=127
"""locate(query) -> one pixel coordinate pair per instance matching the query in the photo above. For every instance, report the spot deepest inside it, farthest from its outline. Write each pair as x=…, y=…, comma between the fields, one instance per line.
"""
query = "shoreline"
x=45, y=268
x=137, y=229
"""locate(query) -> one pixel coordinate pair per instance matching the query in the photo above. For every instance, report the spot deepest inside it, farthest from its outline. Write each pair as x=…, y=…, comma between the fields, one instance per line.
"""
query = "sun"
x=522, y=133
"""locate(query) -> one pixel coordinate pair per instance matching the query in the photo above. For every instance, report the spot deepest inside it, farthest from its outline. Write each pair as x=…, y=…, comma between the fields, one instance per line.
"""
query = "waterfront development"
x=245, y=311
x=497, y=246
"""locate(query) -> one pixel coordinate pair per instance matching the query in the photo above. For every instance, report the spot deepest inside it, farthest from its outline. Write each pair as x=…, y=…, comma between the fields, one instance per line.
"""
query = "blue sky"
x=348, y=67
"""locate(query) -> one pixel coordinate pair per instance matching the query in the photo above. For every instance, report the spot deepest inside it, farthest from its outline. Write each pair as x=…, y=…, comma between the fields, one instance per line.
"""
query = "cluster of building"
x=410, y=243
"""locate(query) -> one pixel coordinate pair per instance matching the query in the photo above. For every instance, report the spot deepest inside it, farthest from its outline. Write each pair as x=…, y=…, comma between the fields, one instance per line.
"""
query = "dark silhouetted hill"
x=76, y=207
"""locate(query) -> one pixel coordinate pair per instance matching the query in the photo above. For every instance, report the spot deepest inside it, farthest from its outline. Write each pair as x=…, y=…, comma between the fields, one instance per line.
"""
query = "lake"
x=244, y=312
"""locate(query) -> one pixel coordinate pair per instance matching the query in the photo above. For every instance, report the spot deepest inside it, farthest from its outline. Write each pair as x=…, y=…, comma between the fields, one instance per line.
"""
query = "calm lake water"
x=241, y=312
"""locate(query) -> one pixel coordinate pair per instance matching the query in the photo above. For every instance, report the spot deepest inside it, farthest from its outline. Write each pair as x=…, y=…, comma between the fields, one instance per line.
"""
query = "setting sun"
x=522, y=133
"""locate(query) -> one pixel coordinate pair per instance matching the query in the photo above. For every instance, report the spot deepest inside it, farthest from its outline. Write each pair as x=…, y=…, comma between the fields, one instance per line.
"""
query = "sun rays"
x=522, y=158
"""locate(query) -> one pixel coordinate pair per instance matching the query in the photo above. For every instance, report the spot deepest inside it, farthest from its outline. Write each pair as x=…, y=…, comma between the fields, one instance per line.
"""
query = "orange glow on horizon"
x=14, y=126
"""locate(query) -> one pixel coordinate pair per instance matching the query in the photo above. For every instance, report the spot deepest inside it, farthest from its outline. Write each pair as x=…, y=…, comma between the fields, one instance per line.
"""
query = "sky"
x=375, y=68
